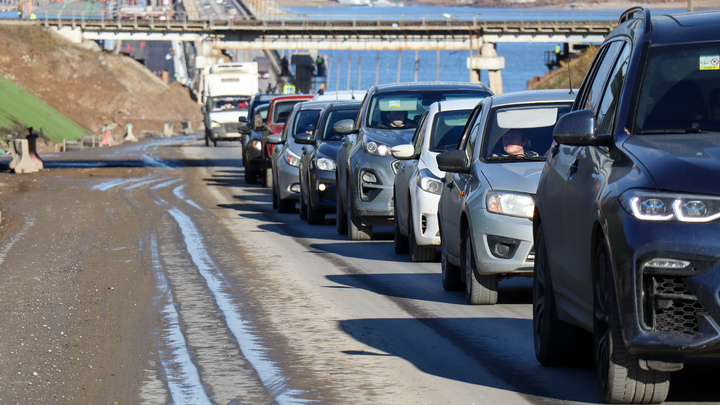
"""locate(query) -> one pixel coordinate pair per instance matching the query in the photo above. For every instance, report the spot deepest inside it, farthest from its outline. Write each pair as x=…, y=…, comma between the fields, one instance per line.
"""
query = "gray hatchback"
x=486, y=206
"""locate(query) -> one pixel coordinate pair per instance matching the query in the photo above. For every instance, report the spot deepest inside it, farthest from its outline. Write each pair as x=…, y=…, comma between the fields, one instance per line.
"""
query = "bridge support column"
x=487, y=60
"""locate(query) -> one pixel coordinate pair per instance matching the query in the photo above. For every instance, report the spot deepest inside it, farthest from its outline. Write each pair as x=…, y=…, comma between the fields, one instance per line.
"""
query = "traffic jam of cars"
x=606, y=196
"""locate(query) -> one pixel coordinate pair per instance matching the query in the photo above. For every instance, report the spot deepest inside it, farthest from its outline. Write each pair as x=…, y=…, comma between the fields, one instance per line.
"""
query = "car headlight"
x=376, y=148
x=326, y=164
x=257, y=145
x=660, y=206
x=215, y=124
x=291, y=158
x=429, y=182
x=511, y=203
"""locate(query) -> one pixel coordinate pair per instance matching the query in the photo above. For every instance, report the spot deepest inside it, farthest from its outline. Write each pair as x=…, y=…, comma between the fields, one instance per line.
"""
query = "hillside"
x=558, y=78
x=91, y=87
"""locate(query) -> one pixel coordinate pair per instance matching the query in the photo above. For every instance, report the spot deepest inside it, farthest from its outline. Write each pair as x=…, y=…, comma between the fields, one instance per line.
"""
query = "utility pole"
x=690, y=5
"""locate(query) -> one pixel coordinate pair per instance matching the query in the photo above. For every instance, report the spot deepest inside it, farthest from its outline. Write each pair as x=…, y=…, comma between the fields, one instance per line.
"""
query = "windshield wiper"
x=514, y=158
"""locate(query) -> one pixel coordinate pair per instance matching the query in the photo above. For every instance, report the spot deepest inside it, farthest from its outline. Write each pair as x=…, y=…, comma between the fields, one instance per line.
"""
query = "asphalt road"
x=151, y=273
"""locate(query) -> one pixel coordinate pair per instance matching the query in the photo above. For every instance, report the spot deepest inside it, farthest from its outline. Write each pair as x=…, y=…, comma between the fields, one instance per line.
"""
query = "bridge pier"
x=487, y=60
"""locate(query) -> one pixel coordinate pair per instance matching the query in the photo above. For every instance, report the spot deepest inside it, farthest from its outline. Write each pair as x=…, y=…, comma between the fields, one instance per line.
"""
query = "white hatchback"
x=417, y=184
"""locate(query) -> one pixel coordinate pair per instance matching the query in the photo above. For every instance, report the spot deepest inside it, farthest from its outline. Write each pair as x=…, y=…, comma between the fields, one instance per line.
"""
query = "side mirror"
x=274, y=139
x=345, y=127
x=403, y=152
x=304, y=138
x=577, y=128
x=453, y=161
x=243, y=119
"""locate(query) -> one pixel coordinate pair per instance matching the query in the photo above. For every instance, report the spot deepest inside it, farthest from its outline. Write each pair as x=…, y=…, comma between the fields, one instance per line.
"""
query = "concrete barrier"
x=22, y=160
x=32, y=151
x=168, y=129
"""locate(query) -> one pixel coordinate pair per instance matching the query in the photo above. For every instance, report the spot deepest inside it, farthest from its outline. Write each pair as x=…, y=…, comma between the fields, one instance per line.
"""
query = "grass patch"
x=20, y=108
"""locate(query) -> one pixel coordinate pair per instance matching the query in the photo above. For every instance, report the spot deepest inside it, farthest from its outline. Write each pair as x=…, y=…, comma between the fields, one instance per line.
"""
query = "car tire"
x=268, y=178
x=303, y=206
x=250, y=176
x=480, y=289
x=315, y=216
x=340, y=214
x=356, y=230
x=207, y=139
x=275, y=198
x=286, y=205
x=556, y=342
x=451, y=275
x=401, y=241
x=619, y=375
x=214, y=142
x=418, y=253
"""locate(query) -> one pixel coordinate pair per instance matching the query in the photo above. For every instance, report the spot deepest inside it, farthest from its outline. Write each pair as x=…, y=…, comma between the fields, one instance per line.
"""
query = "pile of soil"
x=92, y=87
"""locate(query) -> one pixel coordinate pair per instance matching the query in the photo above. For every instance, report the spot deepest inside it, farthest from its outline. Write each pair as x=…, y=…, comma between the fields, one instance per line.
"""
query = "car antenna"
x=569, y=72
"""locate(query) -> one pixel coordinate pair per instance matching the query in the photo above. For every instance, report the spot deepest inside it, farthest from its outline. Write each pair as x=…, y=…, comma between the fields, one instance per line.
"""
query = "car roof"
x=291, y=97
x=457, y=104
x=667, y=28
x=310, y=105
x=414, y=86
x=533, y=96
x=341, y=95
x=344, y=104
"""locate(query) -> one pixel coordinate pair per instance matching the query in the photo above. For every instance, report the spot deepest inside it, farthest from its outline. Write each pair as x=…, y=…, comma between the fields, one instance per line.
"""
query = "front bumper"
x=227, y=131
x=325, y=199
x=372, y=182
x=288, y=178
x=424, y=217
x=503, y=244
x=667, y=312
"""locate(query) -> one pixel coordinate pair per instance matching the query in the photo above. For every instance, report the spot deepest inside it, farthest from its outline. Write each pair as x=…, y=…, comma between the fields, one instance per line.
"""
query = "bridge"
x=351, y=34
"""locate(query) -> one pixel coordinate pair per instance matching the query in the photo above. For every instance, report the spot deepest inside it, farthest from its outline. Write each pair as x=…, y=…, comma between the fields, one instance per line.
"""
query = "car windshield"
x=447, y=128
x=681, y=90
x=282, y=110
x=334, y=117
x=403, y=109
x=229, y=103
x=305, y=122
x=521, y=132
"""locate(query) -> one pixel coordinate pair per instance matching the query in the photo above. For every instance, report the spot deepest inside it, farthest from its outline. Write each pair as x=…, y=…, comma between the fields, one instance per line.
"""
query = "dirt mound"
x=91, y=87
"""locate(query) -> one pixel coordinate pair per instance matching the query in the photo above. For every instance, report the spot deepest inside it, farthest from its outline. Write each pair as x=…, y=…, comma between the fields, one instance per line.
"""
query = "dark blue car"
x=317, y=163
x=626, y=228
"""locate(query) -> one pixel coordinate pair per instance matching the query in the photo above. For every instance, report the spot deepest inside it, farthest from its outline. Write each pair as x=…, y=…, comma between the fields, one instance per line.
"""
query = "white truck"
x=227, y=88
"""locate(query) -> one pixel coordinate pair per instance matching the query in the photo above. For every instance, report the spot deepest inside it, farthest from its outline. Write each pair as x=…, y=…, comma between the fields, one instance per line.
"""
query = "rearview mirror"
x=304, y=138
x=345, y=127
x=403, y=152
x=577, y=128
x=274, y=139
x=454, y=161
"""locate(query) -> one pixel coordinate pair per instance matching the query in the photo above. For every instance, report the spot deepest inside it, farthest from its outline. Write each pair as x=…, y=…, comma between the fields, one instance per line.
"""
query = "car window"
x=334, y=117
x=521, y=131
x=383, y=107
x=469, y=146
x=419, y=135
x=282, y=110
x=605, y=115
x=229, y=103
x=594, y=91
x=447, y=129
x=304, y=122
x=681, y=90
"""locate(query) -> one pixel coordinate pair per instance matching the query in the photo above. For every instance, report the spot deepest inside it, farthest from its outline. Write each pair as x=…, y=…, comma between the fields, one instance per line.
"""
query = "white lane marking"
x=158, y=200
x=29, y=221
x=183, y=379
x=249, y=343
x=117, y=182
x=179, y=193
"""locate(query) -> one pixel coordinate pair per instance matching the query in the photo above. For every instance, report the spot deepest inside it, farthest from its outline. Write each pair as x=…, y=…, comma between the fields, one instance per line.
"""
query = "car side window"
x=470, y=143
x=419, y=137
x=591, y=99
x=605, y=114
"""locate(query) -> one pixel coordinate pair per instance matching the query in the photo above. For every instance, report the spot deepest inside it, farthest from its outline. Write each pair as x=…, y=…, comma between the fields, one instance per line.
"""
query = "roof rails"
x=633, y=13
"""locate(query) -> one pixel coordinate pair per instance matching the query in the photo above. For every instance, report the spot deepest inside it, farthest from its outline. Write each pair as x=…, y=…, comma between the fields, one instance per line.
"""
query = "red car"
x=278, y=112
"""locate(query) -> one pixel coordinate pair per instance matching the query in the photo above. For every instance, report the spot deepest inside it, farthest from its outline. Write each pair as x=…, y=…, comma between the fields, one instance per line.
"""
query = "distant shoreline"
x=578, y=5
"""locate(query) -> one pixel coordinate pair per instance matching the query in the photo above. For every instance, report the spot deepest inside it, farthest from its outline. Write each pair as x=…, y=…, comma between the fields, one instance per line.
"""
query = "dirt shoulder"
x=92, y=87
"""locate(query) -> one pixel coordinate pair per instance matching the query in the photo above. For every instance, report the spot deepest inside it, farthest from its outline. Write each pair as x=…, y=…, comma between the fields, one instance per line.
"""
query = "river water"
x=523, y=61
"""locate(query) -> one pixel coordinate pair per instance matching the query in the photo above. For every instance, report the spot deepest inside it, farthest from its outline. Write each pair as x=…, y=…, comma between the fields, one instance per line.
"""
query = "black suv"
x=626, y=227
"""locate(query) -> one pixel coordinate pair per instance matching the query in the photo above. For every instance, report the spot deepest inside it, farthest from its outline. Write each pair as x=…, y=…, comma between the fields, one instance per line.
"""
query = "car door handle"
x=574, y=167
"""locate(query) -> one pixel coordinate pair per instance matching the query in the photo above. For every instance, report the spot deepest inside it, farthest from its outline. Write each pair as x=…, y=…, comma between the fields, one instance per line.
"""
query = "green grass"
x=20, y=110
